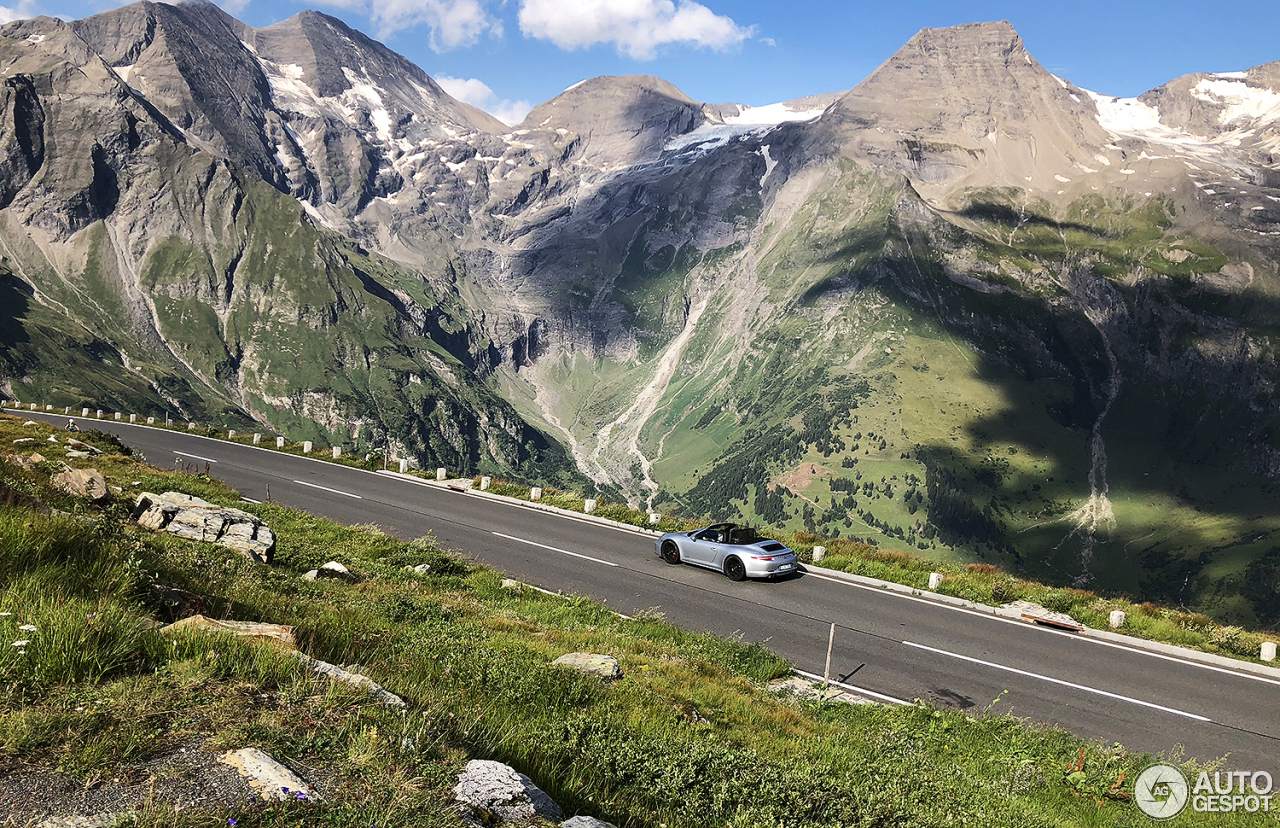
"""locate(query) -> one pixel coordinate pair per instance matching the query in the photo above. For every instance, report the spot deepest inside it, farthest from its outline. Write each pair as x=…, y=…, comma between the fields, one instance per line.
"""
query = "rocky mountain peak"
x=620, y=120
x=969, y=106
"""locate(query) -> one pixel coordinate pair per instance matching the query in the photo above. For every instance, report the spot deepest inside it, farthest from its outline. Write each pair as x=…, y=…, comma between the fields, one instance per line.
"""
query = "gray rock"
x=268, y=777
x=88, y=484
x=337, y=673
x=491, y=792
x=331, y=571
x=586, y=822
x=81, y=445
x=593, y=664
x=196, y=519
x=78, y=455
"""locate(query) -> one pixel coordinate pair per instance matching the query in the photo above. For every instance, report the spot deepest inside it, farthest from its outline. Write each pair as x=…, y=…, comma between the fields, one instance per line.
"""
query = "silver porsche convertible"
x=726, y=547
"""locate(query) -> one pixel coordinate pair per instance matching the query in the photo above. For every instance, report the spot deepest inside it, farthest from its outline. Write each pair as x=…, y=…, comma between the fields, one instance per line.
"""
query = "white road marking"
x=1043, y=629
x=196, y=457
x=327, y=489
x=554, y=549
x=1070, y=684
x=852, y=689
x=808, y=574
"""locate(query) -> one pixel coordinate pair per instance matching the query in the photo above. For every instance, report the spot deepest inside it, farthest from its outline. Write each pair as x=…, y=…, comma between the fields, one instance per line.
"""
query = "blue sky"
x=505, y=55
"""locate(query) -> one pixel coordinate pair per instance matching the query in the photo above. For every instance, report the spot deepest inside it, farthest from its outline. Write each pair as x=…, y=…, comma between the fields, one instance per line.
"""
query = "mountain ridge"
x=752, y=312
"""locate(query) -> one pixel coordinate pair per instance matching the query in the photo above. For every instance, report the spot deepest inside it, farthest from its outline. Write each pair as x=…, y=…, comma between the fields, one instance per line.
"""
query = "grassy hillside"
x=1061, y=395
x=98, y=698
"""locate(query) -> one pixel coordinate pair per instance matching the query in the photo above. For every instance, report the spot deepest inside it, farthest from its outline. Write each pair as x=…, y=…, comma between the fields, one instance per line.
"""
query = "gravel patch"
x=189, y=777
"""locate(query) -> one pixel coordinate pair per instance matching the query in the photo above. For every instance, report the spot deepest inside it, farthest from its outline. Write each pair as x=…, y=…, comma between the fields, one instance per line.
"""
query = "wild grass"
x=688, y=736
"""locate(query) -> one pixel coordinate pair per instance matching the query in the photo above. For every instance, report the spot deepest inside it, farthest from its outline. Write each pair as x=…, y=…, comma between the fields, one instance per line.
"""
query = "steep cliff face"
x=966, y=306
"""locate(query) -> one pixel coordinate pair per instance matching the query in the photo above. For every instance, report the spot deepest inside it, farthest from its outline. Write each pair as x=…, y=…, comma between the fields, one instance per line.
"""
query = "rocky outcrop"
x=87, y=484
x=196, y=519
x=490, y=793
x=586, y=822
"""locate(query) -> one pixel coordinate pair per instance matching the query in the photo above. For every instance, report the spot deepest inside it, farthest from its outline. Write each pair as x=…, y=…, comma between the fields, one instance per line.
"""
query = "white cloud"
x=22, y=11
x=233, y=7
x=477, y=93
x=452, y=23
x=635, y=27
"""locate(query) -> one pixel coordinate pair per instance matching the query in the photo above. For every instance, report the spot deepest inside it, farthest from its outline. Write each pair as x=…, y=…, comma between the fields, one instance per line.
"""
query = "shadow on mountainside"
x=1192, y=519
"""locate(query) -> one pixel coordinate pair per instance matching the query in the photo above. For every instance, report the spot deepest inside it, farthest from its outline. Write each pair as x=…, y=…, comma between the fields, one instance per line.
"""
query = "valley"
x=964, y=308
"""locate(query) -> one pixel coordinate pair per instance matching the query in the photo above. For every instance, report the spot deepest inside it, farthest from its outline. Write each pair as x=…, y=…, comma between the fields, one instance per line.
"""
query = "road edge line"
x=1099, y=636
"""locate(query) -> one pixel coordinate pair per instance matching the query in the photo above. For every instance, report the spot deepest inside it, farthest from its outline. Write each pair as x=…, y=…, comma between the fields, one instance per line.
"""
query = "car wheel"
x=670, y=552
x=734, y=570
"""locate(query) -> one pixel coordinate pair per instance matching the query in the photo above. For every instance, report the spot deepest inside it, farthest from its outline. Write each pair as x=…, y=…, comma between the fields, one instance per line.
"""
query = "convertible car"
x=728, y=548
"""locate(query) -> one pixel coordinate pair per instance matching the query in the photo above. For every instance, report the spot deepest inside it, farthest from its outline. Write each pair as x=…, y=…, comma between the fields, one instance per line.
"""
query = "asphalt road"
x=893, y=645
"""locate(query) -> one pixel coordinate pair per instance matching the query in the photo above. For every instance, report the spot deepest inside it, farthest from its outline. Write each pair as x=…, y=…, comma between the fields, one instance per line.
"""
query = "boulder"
x=593, y=664
x=586, y=822
x=77, y=455
x=88, y=484
x=492, y=793
x=196, y=519
x=269, y=778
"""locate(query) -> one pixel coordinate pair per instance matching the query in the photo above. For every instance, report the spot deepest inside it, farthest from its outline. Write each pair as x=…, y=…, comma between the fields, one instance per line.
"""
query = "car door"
x=705, y=548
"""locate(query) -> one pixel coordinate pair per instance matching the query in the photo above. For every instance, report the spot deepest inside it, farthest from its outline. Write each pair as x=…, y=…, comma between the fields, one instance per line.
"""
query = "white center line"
x=1185, y=662
x=554, y=549
x=196, y=457
x=1061, y=682
x=327, y=489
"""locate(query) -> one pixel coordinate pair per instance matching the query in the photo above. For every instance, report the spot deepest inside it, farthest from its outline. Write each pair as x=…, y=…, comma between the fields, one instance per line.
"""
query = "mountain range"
x=965, y=307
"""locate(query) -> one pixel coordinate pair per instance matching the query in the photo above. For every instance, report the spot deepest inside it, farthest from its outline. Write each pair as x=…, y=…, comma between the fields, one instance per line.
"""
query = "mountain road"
x=892, y=646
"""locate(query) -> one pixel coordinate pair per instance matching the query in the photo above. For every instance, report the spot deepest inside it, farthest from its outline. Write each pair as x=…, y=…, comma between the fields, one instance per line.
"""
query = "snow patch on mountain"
x=1133, y=118
x=1240, y=101
x=772, y=115
x=749, y=120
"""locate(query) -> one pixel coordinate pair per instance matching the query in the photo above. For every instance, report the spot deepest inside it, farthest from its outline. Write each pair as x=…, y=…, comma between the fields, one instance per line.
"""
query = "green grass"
x=683, y=739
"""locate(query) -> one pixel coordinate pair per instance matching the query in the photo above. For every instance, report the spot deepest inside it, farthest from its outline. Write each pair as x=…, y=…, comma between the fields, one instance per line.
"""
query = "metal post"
x=826, y=674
